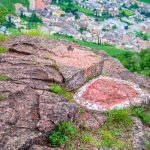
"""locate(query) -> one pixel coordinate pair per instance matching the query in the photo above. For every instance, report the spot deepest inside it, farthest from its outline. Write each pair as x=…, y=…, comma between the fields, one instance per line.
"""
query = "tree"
x=3, y=13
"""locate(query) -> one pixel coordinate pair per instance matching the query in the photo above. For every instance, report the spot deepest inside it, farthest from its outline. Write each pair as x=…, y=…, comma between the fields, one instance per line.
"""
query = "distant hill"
x=9, y=4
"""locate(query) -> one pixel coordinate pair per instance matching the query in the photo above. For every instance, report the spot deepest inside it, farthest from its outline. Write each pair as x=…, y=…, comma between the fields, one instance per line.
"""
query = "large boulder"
x=27, y=116
x=45, y=59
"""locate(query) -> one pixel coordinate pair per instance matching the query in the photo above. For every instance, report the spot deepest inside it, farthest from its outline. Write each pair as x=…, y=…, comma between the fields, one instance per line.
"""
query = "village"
x=124, y=24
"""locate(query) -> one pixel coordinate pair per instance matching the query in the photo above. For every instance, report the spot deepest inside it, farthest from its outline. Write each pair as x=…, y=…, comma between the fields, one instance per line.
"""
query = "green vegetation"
x=2, y=97
x=87, y=137
x=136, y=62
x=65, y=132
x=140, y=112
x=2, y=38
x=69, y=6
x=9, y=4
x=142, y=35
x=3, y=13
x=109, y=135
x=126, y=12
x=61, y=91
x=3, y=50
x=145, y=1
x=119, y=118
x=4, y=77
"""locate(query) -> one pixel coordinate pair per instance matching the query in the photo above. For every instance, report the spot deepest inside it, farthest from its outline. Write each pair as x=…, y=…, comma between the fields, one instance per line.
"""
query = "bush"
x=65, y=132
x=61, y=91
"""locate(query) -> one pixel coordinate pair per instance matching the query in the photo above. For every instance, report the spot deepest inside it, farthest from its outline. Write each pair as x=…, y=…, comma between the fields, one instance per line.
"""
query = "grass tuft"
x=61, y=91
x=3, y=49
x=2, y=97
x=119, y=118
x=140, y=112
x=65, y=132
x=2, y=38
x=4, y=77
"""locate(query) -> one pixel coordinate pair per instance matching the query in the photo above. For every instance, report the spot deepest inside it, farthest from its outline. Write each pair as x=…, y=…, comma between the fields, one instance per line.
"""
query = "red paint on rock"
x=108, y=93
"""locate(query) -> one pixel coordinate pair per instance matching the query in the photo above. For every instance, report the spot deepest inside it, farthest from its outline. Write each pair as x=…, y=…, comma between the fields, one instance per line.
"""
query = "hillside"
x=9, y=4
x=58, y=95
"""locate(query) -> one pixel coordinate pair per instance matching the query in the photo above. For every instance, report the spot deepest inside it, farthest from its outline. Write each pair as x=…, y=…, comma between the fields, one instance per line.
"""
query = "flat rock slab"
x=41, y=58
x=105, y=93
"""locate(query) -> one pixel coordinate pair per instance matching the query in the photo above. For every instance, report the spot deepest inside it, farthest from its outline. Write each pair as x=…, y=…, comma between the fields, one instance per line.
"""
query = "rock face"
x=28, y=115
x=28, y=111
x=44, y=59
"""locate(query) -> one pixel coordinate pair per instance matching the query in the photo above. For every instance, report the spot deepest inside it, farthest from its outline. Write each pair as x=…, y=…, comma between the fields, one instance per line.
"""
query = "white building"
x=32, y=4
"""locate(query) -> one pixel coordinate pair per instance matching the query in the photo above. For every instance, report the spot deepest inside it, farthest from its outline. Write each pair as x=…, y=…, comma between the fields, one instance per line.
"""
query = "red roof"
x=40, y=4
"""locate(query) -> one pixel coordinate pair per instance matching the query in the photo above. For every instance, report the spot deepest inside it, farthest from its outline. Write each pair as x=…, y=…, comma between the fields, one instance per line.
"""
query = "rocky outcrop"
x=40, y=58
x=27, y=115
x=28, y=111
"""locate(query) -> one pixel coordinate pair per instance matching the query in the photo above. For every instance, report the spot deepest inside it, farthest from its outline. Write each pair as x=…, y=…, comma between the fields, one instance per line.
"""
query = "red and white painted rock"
x=104, y=93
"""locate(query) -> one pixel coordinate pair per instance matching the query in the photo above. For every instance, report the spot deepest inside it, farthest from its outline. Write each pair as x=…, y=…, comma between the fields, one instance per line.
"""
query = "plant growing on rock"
x=61, y=91
x=140, y=112
x=3, y=49
x=2, y=97
x=119, y=118
x=63, y=135
x=4, y=77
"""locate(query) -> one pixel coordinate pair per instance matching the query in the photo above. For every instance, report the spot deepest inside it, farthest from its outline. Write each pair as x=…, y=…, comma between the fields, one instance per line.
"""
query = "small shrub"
x=2, y=37
x=119, y=117
x=4, y=77
x=3, y=49
x=139, y=112
x=2, y=97
x=65, y=132
x=61, y=91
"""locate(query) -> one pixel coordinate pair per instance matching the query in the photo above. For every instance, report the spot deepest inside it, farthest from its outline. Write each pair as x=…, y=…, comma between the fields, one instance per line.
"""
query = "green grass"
x=4, y=77
x=127, y=12
x=2, y=38
x=61, y=91
x=2, y=97
x=65, y=5
x=3, y=50
x=87, y=137
x=145, y=1
x=64, y=134
x=140, y=112
x=119, y=118
x=9, y=4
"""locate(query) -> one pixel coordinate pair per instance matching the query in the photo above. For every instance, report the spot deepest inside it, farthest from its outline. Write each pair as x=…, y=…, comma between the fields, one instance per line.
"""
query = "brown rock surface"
x=29, y=112
x=49, y=60
x=27, y=116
